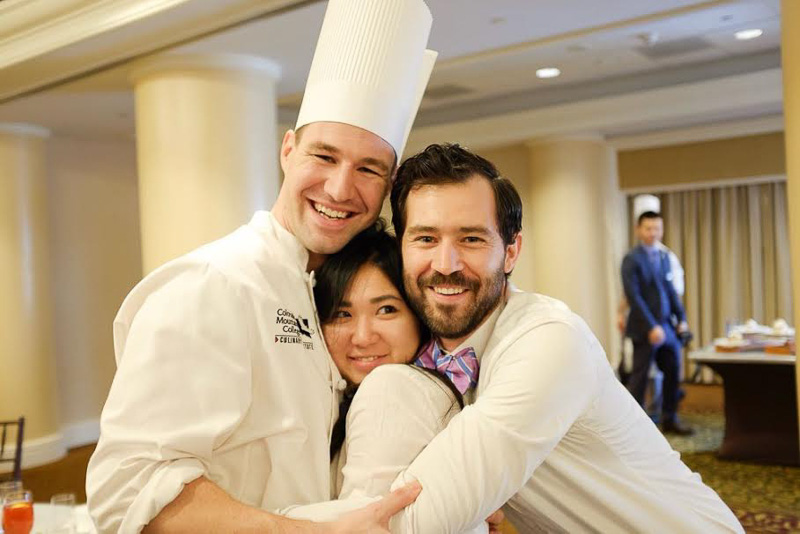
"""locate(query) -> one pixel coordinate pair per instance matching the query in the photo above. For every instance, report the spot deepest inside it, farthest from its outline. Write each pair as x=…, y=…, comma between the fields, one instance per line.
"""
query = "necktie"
x=460, y=368
x=655, y=260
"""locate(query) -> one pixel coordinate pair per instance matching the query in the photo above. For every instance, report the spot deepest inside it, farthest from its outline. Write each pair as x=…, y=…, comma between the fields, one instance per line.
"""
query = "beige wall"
x=96, y=260
x=721, y=159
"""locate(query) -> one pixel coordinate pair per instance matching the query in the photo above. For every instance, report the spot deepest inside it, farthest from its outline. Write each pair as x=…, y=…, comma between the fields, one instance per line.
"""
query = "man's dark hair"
x=647, y=215
x=453, y=164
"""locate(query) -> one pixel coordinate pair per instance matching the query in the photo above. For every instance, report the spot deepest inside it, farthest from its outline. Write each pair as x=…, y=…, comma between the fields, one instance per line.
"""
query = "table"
x=760, y=405
x=43, y=513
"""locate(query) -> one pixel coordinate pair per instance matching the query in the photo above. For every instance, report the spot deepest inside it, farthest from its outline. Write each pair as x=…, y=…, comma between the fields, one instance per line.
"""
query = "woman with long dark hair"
x=366, y=324
x=389, y=413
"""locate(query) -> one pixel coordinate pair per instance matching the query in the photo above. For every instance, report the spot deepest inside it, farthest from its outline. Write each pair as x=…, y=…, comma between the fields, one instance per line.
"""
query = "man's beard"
x=445, y=320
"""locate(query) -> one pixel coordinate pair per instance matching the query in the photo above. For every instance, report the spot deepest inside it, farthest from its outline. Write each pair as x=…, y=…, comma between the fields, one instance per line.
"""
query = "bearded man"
x=549, y=430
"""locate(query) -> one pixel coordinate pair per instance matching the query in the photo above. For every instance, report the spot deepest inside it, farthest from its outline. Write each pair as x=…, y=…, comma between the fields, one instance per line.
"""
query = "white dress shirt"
x=554, y=434
x=477, y=341
x=222, y=373
x=676, y=275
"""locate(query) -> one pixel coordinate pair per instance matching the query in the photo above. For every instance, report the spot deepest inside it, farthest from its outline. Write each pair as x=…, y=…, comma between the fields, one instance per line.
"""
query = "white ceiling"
x=489, y=51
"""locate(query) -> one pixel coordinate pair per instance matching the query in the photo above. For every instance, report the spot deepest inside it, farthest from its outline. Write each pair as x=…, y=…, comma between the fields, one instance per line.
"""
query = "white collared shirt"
x=556, y=436
x=477, y=340
x=552, y=434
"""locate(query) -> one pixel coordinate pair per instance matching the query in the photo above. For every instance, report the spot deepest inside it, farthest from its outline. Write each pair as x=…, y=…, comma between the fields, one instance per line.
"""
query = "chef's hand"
x=374, y=519
x=494, y=521
x=656, y=336
x=683, y=327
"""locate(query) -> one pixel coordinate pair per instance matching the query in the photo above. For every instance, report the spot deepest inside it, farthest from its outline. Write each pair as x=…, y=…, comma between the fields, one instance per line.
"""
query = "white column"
x=206, y=132
x=27, y=370
x=576, y=229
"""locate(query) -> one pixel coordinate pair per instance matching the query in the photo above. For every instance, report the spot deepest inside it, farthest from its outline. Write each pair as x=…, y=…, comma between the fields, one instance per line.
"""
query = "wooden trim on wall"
x=710, y=184
x=705, y=162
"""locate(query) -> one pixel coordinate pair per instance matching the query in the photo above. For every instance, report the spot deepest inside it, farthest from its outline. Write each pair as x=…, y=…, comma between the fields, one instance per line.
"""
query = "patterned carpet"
x=766, y=499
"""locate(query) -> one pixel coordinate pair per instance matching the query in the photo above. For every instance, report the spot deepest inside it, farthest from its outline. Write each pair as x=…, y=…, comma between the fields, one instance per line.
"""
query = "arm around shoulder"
x=536, y=387
x=396, y=412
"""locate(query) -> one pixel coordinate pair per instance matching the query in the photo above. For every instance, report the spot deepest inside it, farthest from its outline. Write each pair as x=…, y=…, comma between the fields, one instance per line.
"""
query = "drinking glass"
x=63, y=519
x=18, y=512
x=6, y=488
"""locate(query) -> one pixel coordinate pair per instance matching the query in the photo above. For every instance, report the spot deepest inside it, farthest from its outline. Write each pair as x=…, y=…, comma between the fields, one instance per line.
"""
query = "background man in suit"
x=641, y=204
x=646, y=278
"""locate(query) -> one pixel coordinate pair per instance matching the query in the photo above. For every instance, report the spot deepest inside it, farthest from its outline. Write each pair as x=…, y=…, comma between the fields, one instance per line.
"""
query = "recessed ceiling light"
x=745, y=35
x=548, y=72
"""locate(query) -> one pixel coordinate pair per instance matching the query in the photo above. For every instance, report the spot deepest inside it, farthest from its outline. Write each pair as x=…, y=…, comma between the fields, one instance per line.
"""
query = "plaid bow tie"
x=461, y=368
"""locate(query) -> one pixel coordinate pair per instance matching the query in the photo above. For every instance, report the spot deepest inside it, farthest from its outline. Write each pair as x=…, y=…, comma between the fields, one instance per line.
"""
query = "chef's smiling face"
x=454, y=258
x=336, y=177
x=373, y=326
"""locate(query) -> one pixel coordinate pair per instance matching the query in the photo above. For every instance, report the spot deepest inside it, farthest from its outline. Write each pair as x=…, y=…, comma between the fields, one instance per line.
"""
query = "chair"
x=16, y=459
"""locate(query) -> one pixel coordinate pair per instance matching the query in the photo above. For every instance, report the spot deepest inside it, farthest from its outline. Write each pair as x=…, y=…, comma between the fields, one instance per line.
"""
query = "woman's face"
x=373, y=326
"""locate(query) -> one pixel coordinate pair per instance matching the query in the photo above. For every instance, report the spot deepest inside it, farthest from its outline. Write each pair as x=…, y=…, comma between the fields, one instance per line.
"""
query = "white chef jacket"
x=554, y=434
x=222, y=373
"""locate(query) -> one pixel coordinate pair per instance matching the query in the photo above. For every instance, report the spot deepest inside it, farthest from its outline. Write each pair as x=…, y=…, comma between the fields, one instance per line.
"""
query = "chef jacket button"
x=341, y=385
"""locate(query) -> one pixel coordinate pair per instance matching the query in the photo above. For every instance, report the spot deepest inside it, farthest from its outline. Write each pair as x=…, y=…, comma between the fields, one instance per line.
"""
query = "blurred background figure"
x=654, y=304
x=641, y=204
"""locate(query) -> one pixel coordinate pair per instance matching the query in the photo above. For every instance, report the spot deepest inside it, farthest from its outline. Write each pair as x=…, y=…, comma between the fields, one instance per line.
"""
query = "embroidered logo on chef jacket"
x=293, y=329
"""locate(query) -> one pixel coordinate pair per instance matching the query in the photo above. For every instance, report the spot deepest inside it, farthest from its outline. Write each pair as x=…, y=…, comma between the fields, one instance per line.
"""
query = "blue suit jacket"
x=644, y=297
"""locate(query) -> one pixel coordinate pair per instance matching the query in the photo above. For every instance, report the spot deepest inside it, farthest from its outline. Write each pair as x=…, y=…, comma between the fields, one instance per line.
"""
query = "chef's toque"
x=643, y=203
x=370, y=68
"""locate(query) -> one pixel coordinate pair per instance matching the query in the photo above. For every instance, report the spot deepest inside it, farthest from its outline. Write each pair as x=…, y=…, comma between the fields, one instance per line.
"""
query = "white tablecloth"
x=708, y=354
x=43, y=519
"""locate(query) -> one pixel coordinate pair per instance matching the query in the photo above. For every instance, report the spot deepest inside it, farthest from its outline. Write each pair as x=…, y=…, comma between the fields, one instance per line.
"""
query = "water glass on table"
x=63, y=519
x=18, y=512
